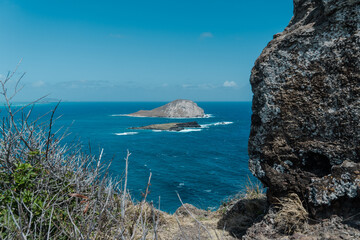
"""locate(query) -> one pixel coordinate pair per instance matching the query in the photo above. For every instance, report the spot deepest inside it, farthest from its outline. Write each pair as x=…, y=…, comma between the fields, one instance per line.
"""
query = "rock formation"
x=169, y=126
x=175, y=109
x=305, y=130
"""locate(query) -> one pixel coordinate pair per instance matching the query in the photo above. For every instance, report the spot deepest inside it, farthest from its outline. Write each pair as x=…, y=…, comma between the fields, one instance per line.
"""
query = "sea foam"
x=126, y=133
x=137, y=116
x=209, y=115
x=186, y=130
x=215, y=124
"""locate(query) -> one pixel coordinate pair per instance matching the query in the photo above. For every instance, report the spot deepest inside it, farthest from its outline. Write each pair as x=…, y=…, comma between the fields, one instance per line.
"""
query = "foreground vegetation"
x=51, y=190
x=55, y=191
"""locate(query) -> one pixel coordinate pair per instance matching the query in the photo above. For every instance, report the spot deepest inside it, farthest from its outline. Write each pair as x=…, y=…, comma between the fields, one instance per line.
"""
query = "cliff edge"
x=305, y=130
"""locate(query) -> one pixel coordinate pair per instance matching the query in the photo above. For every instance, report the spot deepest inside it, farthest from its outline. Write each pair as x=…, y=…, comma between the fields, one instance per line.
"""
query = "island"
x=179, y=108
x=169, y=126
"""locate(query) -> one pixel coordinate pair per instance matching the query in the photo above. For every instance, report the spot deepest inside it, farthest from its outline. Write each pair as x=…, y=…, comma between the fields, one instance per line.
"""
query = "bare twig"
x=123, y=202
x=198, y=222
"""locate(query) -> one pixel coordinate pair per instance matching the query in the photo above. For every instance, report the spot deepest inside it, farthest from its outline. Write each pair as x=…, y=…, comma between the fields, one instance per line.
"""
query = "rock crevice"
x=305, y=133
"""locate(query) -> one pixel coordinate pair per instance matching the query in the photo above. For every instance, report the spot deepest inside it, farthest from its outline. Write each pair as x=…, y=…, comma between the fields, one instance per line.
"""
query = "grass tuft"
x=49, y=190
x=291, y=216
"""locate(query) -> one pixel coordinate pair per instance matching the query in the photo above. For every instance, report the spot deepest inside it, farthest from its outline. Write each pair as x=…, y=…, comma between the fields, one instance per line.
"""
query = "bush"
x=52, y=191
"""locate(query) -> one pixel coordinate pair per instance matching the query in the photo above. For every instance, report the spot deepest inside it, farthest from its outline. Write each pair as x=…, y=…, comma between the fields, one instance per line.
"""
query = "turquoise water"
x=204, y=166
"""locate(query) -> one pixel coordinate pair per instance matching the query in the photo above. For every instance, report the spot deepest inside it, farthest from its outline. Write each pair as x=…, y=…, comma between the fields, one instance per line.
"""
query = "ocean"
x=204, y=166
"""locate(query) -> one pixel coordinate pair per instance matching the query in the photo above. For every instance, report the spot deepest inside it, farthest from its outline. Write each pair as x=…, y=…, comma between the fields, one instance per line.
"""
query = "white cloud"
x=199, y=86
x=86, y=84
x=206, y=35
x=207, y=86
x=188, y=86
x=38, y=83
x=230, y=84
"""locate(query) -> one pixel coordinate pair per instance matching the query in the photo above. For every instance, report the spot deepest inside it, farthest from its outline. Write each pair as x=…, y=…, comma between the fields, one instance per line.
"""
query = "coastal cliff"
x=176, y=109
x=305, y=130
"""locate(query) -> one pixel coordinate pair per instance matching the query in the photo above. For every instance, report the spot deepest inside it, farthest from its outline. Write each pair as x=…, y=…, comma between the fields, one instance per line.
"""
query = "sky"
x=158, y=50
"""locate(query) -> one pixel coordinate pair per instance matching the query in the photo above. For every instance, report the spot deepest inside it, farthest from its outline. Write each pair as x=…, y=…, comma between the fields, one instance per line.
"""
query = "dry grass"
x=291, y=216
x=49, y=190
x=238, y=213
x=253, y=190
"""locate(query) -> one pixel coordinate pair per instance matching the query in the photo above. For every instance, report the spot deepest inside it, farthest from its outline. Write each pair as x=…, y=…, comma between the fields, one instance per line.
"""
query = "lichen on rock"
x=305, y=131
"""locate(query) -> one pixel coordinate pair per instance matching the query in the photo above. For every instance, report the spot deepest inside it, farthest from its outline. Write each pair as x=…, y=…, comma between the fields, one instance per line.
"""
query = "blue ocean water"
x=205, y=166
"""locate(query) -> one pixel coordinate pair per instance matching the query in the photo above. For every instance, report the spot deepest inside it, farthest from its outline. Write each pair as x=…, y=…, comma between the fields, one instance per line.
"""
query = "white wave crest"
x=209, y=115
x=186, y=130
x=215, y=124
x=126, y=133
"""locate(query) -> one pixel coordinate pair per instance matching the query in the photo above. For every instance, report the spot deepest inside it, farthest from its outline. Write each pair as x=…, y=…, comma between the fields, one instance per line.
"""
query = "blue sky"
x=137, y=50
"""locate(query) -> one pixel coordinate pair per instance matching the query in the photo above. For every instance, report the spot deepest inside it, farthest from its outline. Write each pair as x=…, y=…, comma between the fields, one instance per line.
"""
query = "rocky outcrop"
x=305, y=131
x=169, y=126
x=241, y=215
x=176, y=109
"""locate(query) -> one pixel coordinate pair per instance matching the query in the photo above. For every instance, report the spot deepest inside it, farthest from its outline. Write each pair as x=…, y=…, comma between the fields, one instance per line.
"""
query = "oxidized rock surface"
x=305, y=131
x=176, y=109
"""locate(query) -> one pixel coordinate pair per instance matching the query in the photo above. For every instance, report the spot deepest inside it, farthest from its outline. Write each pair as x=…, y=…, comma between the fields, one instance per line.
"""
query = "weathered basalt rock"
x=305, y=131
x=242, y=215
x=176, y=109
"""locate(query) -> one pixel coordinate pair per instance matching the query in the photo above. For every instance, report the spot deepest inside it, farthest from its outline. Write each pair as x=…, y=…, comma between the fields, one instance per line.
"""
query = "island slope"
x=176, y=109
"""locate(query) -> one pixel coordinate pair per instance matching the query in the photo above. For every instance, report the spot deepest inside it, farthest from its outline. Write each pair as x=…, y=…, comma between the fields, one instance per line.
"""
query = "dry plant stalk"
x=291, y=216
x=49, y=190
x=253, y=190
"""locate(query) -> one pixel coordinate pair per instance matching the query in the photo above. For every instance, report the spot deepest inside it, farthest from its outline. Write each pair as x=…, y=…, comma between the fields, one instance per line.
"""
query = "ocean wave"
x=215, y=124
x=186, y=130
x=125, y=115
x=126, y=133
x=117, y=115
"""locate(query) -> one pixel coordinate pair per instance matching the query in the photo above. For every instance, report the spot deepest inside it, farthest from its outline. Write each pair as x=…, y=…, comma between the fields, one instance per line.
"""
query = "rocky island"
x=169, y=126
x=304, y=147
x=179, y=108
